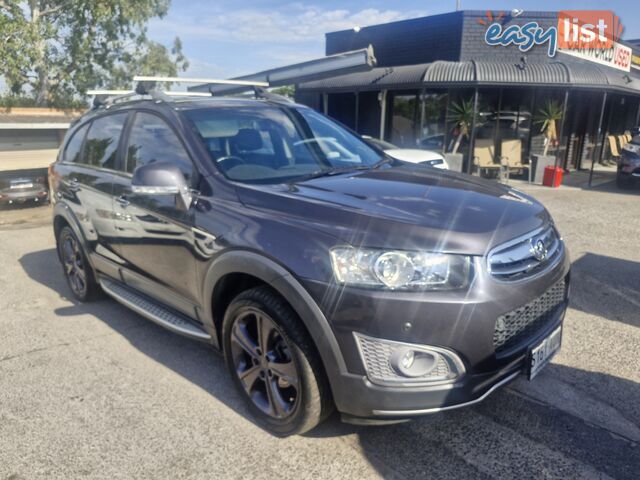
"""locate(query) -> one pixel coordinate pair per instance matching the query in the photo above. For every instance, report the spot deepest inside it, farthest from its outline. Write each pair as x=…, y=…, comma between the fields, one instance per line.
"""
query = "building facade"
x=439, y=85
x=30, y=137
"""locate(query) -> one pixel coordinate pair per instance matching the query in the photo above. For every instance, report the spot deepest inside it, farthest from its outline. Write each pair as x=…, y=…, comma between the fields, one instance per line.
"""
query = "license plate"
x=542, y=353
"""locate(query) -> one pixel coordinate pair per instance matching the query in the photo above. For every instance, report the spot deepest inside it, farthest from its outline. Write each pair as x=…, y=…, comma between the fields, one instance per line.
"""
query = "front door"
x=155, y=237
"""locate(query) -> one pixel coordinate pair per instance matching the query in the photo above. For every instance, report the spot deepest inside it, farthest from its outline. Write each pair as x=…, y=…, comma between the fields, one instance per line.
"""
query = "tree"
x=55, y=50
x=547, y=117
x=285, y=91
x=461, y=114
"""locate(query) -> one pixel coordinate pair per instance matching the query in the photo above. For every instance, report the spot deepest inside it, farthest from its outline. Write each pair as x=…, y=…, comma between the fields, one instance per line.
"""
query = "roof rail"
x=147, y=85
x=105, y=98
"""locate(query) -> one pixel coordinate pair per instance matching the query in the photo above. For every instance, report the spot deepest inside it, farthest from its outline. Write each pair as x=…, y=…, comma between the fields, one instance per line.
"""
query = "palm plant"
x=547, y=117
x=461, y=114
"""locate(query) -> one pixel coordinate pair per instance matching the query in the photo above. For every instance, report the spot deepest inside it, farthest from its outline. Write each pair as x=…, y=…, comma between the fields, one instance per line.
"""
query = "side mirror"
x=162, y=179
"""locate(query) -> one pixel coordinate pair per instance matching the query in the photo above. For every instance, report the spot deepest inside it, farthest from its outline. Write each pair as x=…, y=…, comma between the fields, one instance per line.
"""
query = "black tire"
x=77, y=270
x=308, y=399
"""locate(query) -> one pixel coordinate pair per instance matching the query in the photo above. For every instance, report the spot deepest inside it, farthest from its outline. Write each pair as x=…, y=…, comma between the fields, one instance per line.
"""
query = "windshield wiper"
x=330, y=172
x=381, y=162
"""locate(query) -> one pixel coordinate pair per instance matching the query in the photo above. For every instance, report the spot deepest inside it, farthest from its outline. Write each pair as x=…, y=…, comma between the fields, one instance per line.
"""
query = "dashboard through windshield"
x=270, y=144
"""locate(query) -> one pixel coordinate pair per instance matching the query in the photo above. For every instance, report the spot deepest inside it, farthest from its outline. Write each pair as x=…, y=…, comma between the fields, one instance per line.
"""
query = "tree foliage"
x=55, y=50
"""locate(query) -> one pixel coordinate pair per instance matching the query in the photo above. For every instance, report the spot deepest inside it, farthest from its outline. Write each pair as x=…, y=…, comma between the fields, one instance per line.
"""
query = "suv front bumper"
x=464, y=323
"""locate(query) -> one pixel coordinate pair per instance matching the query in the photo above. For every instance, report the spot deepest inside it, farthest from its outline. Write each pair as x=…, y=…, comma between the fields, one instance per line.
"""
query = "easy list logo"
x=524, y=36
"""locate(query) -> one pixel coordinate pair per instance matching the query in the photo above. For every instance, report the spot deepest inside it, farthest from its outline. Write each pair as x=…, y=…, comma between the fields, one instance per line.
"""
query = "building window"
x=404, y=116
x=433, y=116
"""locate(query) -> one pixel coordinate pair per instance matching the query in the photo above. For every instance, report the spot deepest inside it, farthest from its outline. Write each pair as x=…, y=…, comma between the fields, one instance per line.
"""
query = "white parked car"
x=412, y=155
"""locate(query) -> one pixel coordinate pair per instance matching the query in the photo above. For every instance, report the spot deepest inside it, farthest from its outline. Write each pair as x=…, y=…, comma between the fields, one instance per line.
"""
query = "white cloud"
x=294, y=24
x=245, y=40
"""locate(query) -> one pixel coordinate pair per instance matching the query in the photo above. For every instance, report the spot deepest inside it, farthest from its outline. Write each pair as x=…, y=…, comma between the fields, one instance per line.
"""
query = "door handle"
x=122, y=200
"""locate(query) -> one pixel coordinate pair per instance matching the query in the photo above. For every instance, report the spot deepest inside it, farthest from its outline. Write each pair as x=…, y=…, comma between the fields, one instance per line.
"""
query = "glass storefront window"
x=458, y=121
x=547, y=123
x=404, y=115
x=369, y=114
x=433, y=112
x=515, y=121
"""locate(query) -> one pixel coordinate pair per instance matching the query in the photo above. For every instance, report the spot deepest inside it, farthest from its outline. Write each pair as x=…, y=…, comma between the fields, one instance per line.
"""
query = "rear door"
x=88, y=172
x=154, y=236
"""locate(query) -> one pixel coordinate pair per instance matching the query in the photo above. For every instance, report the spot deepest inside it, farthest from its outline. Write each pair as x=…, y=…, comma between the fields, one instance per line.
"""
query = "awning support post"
x=357, y=121
x=564, y=121
x=472, y=135
x=383, y=112
x=599, y=137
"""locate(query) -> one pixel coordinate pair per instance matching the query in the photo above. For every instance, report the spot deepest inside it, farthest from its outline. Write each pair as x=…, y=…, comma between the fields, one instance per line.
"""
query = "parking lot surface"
x=96, y=391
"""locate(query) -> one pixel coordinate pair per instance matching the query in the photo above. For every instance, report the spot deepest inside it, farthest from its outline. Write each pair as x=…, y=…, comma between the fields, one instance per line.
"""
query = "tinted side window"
x=101, y=146
x=152, y=140
x=74, y=147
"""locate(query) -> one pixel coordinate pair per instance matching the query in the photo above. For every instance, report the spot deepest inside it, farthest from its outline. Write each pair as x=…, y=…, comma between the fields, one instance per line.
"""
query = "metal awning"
x=352, y=63
x=480, y=73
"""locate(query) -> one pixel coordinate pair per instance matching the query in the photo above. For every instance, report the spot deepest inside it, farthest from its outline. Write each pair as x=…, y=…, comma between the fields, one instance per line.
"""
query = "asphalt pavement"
x=96, y=391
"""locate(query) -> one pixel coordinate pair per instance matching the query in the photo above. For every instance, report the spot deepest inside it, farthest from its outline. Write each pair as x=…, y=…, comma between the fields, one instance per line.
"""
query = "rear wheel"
x=77, y=270
x=274, y=363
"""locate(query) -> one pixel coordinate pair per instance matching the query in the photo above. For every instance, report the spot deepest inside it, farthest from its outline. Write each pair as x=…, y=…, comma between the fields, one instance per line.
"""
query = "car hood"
x=404, y=208
x=413, y=155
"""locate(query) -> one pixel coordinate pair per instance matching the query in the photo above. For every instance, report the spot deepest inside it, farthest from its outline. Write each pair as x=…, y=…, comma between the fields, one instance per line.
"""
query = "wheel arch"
x=62, y=217
x=252, y=269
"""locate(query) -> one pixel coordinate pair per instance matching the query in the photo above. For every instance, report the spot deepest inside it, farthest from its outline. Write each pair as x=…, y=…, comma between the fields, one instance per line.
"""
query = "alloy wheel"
x=74, y=265
x=264, y=364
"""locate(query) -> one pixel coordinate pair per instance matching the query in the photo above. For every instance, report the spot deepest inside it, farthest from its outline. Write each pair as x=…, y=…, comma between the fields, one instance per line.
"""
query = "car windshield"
x=270, y=144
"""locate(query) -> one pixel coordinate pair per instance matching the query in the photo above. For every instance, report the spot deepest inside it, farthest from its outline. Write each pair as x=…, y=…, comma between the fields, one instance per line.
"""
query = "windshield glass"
x=270, y=144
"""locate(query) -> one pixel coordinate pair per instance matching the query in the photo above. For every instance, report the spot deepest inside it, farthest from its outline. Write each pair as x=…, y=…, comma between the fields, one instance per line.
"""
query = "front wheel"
x=274, y=363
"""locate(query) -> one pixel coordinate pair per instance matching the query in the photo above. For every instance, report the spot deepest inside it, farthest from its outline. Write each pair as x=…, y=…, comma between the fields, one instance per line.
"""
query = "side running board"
x=155, y=312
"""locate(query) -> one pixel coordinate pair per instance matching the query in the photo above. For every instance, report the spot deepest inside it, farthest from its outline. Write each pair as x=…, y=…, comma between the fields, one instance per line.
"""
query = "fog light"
x=413, y=363
x=395, y=363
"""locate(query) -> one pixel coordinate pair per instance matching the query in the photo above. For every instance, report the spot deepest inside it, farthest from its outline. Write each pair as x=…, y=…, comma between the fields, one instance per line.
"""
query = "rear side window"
x=101, y=146
x=74, y=147
x=152, y=140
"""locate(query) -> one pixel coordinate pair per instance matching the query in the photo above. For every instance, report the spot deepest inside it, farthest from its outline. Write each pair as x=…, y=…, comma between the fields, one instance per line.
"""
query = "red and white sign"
x=618, y=56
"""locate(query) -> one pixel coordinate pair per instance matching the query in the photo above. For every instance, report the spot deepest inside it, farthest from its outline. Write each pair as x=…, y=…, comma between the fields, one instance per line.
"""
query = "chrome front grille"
x=524, y=322
x=525, y=256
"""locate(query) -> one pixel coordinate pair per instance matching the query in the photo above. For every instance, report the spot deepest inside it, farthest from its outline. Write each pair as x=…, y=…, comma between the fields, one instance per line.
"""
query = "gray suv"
x=330, y=275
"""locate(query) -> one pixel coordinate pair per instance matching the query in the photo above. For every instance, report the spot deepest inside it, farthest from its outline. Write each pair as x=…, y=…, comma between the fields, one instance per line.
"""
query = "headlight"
x=395, y=269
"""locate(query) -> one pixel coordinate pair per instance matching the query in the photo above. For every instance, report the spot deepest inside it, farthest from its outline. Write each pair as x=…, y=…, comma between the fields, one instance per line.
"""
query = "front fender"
x=281, y=280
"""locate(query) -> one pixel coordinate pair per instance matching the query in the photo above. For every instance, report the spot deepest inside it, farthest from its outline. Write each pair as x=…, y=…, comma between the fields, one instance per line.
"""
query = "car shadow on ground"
x=510, y=435
x=607, y=287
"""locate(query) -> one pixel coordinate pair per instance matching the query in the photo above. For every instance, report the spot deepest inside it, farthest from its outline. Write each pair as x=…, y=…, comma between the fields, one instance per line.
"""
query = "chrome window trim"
x=557, y=251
